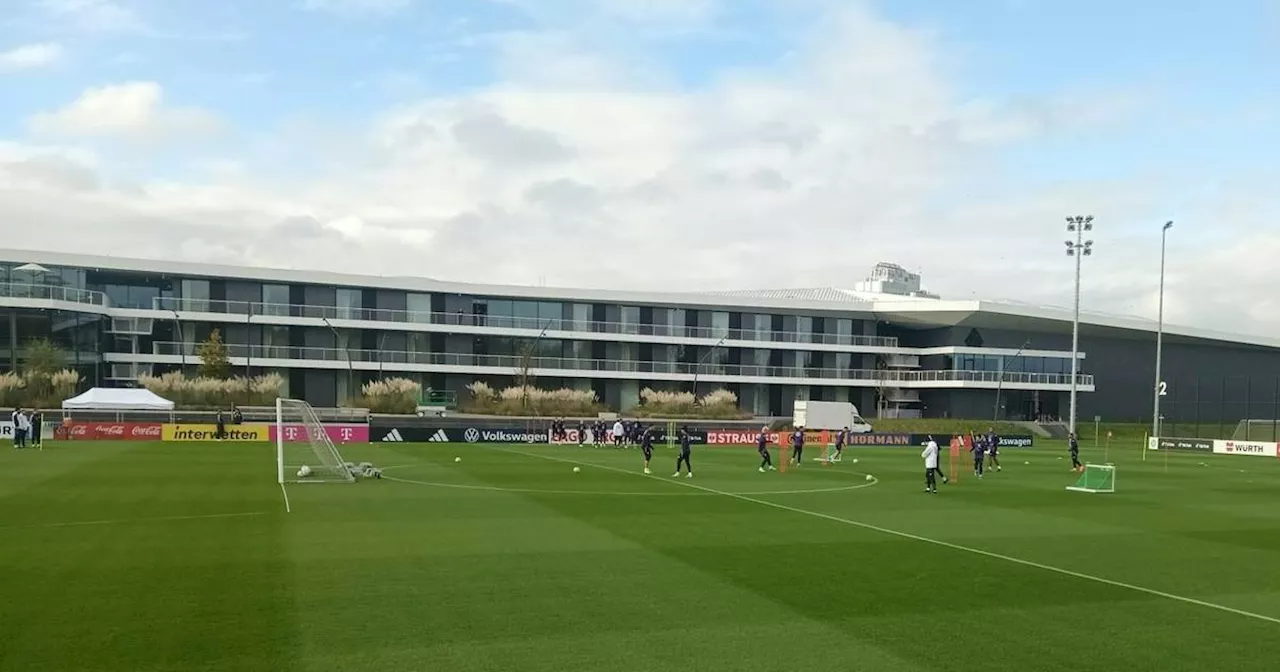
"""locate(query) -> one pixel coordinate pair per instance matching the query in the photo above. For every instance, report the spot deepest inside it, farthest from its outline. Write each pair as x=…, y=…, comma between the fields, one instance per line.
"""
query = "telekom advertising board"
x=338, y=433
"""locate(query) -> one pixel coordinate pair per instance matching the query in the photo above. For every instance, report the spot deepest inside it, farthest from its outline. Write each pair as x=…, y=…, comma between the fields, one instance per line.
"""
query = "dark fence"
x=1245, y=408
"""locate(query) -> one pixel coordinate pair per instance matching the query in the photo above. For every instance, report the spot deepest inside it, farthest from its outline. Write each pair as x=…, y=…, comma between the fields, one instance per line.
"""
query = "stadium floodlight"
x=1155, y=408
x=1078, y=248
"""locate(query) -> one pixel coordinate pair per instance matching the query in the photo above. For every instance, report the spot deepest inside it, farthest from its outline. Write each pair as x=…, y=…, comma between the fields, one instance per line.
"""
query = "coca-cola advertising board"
x=338, y=432
x=108, y=431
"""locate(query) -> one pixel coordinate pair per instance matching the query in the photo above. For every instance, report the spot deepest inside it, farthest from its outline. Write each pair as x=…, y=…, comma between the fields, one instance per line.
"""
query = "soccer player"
x=993, y=447
x=684, y=454
x=797, y=445
x=220, y=427
x=582, y=433
x=13, y=417
x=37, y=429
x=762, y=445
x=1073, y=445
x=978, y=448
x=646, y=445
x=930, y=455
x=618, y=432
x=840, y=439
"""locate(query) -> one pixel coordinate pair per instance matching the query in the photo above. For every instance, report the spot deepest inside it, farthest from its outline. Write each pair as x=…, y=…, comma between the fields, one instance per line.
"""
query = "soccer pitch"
x=151, y=556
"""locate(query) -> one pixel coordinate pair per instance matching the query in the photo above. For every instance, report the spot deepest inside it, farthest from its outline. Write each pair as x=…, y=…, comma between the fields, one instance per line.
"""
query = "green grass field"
x=149, y=557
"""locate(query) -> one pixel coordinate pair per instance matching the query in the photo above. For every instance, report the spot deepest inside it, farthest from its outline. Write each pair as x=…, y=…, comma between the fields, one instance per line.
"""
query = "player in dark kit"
x=978, y=449
x=646, y=445
x=841, y=437
x=797, y=446
x=684, y=454
x=993, y=448
x=762, y=445
x=1073, y=445
x=37, y=429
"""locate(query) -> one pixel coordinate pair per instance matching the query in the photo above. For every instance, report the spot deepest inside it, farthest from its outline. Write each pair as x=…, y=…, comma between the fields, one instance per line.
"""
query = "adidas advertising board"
x=385, y=434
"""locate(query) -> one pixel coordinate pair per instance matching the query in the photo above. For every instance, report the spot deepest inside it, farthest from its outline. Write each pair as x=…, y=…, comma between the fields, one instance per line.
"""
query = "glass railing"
x=533, y=324
x=20, y=290
x=512, y=363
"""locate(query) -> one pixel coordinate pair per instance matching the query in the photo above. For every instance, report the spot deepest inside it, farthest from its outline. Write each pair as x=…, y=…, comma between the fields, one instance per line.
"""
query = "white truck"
x=829, y=415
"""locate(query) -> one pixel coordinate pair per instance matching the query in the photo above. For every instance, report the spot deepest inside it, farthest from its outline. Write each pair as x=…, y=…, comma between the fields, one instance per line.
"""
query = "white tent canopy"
x=119, y=399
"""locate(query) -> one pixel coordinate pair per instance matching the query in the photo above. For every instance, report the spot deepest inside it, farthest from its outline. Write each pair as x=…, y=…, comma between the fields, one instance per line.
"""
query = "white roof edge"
x=727, y=300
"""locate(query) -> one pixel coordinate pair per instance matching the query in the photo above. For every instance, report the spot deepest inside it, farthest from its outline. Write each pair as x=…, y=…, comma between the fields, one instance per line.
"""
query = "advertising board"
x=338, y=432
x=235, y=433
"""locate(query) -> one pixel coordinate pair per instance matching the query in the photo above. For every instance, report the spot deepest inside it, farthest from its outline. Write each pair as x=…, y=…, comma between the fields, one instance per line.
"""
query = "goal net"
x=1096, y=478
x=304, y=451
x=1257, y=430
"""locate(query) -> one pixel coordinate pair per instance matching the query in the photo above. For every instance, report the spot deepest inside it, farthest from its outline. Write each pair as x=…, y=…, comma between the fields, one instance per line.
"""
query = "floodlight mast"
x=1155, y=407
x=1078, y=225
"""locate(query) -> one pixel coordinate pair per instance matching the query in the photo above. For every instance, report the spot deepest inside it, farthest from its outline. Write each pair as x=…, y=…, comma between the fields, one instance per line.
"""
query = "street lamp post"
x=1000, y=379
x=1077, y=248
x=698, y=368
x=1155, y=413
x=351, y=371
x=182, y=342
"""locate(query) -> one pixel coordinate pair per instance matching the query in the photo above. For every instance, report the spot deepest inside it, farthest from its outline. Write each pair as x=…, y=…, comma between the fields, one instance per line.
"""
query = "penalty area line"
x=927, y=540
x=286, y=499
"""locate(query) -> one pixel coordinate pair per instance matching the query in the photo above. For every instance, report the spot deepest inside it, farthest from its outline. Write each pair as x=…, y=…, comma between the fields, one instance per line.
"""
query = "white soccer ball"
x=457, y=459
x=304, y=472
x=870, y=477
x=576, y=469
x=855, y=460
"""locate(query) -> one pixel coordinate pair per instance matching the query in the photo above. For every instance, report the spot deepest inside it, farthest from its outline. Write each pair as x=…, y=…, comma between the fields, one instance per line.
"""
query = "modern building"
x=895, y=351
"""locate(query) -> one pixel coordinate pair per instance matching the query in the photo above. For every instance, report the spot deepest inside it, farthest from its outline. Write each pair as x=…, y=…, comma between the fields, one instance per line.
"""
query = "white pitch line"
x=286, y=499
x=127, y=521
x=935, y=542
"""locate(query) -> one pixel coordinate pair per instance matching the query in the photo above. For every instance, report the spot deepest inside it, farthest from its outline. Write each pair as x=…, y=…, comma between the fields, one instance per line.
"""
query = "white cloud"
x=93, y=15
x=30, y=56
x=356, y=7
x=132, y=111
x=589, y=170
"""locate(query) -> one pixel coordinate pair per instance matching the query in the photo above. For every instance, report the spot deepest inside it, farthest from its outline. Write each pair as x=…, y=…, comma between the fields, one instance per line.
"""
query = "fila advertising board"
x=1168, y=443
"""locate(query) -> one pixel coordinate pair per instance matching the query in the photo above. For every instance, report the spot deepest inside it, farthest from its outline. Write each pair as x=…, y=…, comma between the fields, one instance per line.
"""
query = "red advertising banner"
x=108, y=431
x=338, y=432
x=740, y=437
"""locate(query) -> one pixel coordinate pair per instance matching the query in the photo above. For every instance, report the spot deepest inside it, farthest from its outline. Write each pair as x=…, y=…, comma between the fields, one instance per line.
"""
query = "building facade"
x=904, y=355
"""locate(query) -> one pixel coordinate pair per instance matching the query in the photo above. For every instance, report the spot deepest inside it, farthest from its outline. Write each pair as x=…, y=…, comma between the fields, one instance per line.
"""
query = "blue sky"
x=868, y=122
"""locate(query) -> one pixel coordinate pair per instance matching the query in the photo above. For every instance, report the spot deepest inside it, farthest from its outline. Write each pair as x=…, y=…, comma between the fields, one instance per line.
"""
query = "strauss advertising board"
x=738, y=437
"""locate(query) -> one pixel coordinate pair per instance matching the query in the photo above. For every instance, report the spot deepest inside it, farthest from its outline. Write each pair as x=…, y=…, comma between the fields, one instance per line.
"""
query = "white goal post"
x=301, y=441
x=1096, y=479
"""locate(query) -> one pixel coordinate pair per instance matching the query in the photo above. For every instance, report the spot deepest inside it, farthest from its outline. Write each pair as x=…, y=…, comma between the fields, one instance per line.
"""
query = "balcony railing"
x=249, y=308
x=21, y=290
x=513, y=363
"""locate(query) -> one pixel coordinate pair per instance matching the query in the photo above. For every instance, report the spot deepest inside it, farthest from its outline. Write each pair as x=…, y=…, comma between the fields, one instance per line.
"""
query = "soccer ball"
x=457, y=459
x=304, y=472
x=576, y=470
x=869, y=477
x=855, y=460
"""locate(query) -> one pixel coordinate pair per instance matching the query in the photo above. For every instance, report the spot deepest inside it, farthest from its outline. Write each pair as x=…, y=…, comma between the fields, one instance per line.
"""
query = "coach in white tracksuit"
x=930, y=455
x=618, y=431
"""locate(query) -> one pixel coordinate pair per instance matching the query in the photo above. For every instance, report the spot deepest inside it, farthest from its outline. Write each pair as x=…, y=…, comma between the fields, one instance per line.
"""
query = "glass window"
x=550, y=314
x=275, y=299
x=525, y=314
x=844, y=361
x=804, y=329
x=418, y=342
x=419, y=307
x=629, y=316
x=719, y=324
x=349, y=303
x=195, y=295
x=581, y=317
x=676, y=322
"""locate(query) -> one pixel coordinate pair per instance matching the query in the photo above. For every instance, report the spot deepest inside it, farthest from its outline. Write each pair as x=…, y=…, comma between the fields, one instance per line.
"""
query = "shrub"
x=518, y=400
x=719, y=404
x=392, y=395
x=213, y=392
x=38, y=389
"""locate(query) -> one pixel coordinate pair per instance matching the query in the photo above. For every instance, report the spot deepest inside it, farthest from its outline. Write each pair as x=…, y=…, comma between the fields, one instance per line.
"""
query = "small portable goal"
x=1096, y=479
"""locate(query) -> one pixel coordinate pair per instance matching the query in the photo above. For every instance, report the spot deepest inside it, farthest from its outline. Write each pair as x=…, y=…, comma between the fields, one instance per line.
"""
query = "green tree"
x=214, y=362
x=43, y=359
